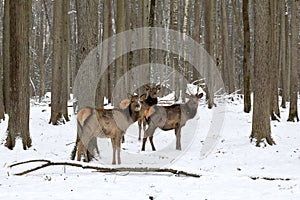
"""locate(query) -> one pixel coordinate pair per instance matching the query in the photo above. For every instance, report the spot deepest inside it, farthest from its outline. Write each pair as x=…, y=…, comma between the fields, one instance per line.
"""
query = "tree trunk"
x=174, y=59
x=274, y=70
x=228, y=65
x=293, y=112
x=119, y=67
x=196, y=35
x=6, y=68
x=41, y=54
x=261, y=128
x=282, y=54
x=18, y=124
x=59, y=87
x=2, y=111
x=246, y=61
x=87, y=30
x=209, y=37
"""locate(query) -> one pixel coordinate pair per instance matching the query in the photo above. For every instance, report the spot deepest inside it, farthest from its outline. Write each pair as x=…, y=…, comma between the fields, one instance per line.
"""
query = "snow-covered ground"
x=235, y=169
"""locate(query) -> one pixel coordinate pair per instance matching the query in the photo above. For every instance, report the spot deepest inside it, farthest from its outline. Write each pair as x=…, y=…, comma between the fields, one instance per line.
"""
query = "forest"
x=253, y=46
x=223, y=73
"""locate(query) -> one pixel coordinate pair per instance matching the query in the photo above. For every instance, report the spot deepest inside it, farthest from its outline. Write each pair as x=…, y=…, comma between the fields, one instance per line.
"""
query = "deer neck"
x=131, y=116
x=190, y=109
x=151, y=101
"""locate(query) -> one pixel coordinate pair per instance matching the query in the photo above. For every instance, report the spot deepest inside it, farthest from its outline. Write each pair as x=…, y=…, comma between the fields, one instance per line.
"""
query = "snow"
x=235, y=168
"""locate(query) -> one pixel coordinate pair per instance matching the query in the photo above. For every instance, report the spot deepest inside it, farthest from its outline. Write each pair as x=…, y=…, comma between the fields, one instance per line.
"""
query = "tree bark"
x=209, y=36
x=18, y=124
x=261, y=128
x=41, y=53
x=6, y=54
x=228, y=65
x=293, y=112
x=119, y=67
x=59, y=85
x=282, y=53
x=2, y=111
x=274, y=70
x=87, y=30
x=246, y=60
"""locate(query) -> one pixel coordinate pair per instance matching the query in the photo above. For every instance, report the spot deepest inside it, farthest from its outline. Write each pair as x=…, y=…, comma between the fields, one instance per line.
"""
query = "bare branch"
x=48, y=163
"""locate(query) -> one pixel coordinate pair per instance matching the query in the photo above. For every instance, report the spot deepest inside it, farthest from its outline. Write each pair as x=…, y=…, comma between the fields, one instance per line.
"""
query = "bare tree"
x=87, y=30
x=59, y=86
x=5, y=49
x=246, y=61
x=228, y=65
x=209, y=36
x=18, y=124
x=119, y=67
x=274, y=70
x=261, y=128
x=2, y=111
x=41, y=51
x=282, y=54
x=293, y=112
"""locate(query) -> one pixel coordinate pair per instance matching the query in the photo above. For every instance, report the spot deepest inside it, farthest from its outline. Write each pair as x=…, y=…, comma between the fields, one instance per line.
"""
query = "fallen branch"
x=48, y=163
x=269, y=178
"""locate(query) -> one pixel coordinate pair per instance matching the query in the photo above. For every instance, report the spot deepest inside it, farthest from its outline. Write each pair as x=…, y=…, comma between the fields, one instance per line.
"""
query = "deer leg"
x=118, y=141
x=79, y=150
x=113, y=142
x=140, y=128
x=144, y=143
x=178, y=137
x=144, y=125
x=152, y=144
x=83, y=149
x=148, y=133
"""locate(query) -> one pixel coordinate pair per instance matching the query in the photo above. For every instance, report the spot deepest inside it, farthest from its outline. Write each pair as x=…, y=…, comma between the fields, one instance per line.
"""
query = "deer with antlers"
x=105, y=123
x=169, y=118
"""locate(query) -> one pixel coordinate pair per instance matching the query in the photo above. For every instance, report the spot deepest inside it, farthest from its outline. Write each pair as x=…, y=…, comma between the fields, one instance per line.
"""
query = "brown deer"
x=151, y=99
x=105, y=123
x=170, y=117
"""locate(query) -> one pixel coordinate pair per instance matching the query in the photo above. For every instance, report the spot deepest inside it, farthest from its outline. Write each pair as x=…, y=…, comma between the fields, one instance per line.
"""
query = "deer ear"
x=143, y=97
x=199, y=96
x=124, y=103
x=158, y=87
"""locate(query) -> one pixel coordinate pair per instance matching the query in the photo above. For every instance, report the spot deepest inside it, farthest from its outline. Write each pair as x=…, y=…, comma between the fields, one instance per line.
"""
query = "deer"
x=150, y=100
x=105, y=123
x=169, y=118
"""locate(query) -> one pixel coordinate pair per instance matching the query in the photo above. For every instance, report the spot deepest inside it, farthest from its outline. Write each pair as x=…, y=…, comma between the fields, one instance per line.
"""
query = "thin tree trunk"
x=65, y=60
x=274, y=70
x=196, y=34
x=228, y=65
x=6, y=54
x=282, y=54
x=119, y=67
x=209, y=44
x=293, y=112
x=246, y=61
x=2, y=111
x=41, y=54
